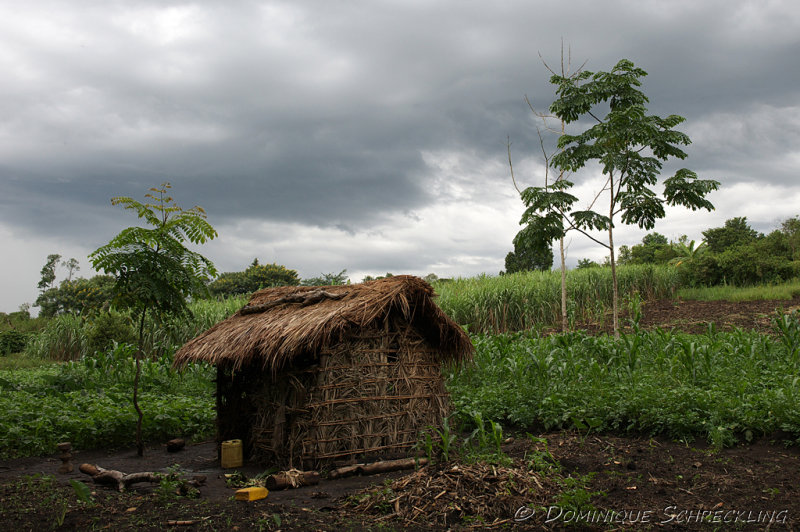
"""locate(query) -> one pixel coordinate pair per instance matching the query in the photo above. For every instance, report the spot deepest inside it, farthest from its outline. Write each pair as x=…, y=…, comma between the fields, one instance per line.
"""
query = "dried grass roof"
x=279, y=331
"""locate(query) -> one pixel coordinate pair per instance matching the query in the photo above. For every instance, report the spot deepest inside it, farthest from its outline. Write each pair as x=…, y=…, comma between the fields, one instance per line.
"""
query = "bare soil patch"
x=653, y=484
x=694, y=316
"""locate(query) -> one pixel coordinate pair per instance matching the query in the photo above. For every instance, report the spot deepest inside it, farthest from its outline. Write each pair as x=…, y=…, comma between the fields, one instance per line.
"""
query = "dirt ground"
x=556, y=481
x=694, y=316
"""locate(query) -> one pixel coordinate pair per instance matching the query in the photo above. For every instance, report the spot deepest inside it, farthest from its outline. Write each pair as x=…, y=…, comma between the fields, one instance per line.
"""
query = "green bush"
x=106, y=329
x=744, y=265
x=13, y=342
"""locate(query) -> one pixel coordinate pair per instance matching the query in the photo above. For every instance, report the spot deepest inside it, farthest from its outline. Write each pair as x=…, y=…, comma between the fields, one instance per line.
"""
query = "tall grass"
x=64, y=337
x=787, y=290
x=527, y=300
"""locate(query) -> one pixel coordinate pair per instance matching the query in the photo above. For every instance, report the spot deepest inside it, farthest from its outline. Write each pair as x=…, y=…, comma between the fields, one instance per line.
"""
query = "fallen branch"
x=307, y=298
x=378, y=467
x=120, y=480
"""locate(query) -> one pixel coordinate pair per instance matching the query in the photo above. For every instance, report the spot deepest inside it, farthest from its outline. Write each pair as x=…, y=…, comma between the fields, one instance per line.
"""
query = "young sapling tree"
x=629, y=145
x=154, y=271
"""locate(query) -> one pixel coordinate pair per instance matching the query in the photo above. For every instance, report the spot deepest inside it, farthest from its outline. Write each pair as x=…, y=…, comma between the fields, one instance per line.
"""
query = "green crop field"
x=721, y=386
x=89, y=403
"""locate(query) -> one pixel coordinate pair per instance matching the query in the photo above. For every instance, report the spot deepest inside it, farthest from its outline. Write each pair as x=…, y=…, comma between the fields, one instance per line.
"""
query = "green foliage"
x=82, y=491
x=654, y=249
x=791, y=229
x=576, y=497
x=20, y=321
x=63, y=338
x=154, y=271
x=371, y=278
x=69, y=337
x=684, y=253
x=327, y=279
x=787, y=290
x=586, y=263
x=13, y=342
x=530, y=253
x=719, y=386
x=79, y=296
x=735, y=232
x=48, y=272
x=629, y=145
x=87, y=402
x=255, y=277
x=759, y=262
x=108, y=328
x=528, y=300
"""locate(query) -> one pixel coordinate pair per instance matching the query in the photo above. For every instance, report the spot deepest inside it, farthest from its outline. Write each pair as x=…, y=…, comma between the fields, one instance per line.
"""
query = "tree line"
x=734, y=254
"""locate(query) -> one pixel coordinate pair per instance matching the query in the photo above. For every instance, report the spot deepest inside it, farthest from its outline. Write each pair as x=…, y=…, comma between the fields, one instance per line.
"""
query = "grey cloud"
x=333, y=115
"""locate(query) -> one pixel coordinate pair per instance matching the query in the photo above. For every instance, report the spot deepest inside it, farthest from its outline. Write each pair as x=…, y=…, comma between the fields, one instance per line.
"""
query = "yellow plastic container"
x=251, y=494
x=232, y=454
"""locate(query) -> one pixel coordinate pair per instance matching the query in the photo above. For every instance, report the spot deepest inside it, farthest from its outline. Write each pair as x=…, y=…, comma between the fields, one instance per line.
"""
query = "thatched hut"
x=310, y=376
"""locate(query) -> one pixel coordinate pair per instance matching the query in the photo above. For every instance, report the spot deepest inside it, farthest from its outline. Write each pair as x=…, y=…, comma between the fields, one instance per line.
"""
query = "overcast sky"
x=371, y=136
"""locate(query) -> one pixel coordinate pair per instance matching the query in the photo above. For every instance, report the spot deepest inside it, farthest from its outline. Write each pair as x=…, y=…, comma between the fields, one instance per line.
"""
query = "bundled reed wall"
x=308, y=376
x=368, y=397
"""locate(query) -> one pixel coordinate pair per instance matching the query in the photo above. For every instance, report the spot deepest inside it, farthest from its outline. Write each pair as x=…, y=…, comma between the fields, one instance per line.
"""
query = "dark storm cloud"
x=338, y=115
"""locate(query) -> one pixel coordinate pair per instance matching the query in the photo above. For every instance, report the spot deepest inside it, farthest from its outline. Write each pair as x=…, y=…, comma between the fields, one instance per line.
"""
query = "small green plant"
x=386, y=494
x=575, y=496
x=447, y=438
x=788, y=328
x=427, y=445
x=170, y=483
x=13, y=342
x=633, y=304
x=483, y=445
x=82, y=491
x=541, y=460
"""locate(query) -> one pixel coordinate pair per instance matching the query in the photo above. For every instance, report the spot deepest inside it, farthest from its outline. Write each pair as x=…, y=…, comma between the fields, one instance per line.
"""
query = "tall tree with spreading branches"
x=154, y=271
x=629, y=145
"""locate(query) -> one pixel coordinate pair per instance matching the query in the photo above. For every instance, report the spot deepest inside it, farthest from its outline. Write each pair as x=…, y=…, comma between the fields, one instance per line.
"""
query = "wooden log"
x=288, y=479
x=120, y=480
x=374, y=468
x=173, y=446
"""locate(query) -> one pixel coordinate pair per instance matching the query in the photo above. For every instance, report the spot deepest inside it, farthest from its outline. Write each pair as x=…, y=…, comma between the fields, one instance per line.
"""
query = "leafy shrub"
x=762, y=260
x=13, y=342
x=106, y=329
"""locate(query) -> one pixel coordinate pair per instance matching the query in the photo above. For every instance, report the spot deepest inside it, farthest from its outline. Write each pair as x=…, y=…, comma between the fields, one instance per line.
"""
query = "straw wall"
x=369, y=396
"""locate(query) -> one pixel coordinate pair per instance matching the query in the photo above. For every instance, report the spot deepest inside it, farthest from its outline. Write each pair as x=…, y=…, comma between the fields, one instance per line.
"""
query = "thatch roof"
x=272, y=330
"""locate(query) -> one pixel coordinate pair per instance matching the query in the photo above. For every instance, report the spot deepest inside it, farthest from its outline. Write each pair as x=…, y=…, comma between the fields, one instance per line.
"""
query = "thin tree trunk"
x=139, y=350
x=564, y=322
x=615, y=291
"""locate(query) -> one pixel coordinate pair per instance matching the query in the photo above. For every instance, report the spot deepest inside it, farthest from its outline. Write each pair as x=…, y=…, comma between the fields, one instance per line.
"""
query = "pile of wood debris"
x=449, y=494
